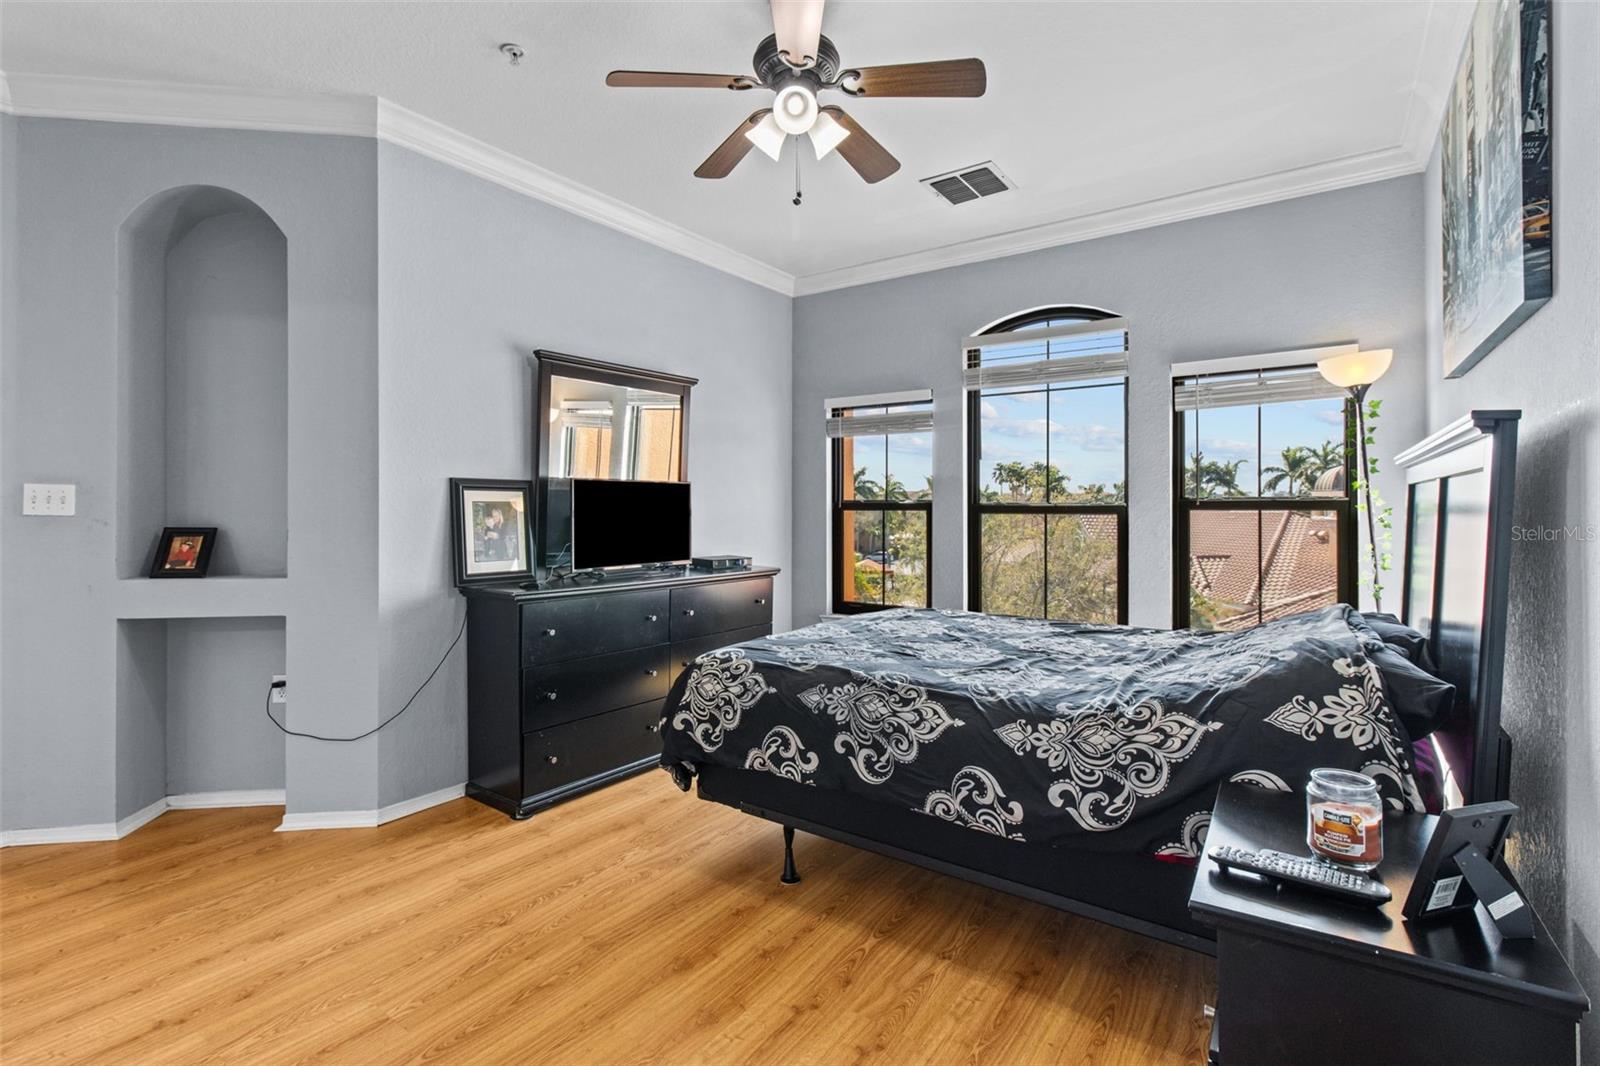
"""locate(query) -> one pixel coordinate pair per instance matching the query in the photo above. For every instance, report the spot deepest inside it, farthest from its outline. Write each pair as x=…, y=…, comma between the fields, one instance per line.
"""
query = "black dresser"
x=565, y=681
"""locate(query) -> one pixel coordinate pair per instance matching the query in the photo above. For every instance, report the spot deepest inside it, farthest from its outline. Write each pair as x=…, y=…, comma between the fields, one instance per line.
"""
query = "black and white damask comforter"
x=1054, y=733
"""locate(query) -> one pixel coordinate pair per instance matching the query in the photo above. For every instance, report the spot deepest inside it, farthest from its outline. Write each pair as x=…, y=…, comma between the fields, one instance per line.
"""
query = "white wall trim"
x=79, y=834
x=369, y=819
x=1233, y=196
x=157, y=103
x=437, y=141
x=254, y=797
x=109, y=100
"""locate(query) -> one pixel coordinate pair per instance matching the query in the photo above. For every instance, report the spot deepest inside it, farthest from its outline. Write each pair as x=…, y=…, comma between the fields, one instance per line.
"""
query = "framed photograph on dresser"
x=490, y=530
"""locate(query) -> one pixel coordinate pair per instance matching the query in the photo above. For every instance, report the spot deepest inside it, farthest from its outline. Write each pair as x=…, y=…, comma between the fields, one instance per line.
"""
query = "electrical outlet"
x=281, y=693
x=56, y=501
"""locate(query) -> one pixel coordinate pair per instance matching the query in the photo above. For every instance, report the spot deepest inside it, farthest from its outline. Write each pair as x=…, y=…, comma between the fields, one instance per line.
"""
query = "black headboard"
x=1456, y=582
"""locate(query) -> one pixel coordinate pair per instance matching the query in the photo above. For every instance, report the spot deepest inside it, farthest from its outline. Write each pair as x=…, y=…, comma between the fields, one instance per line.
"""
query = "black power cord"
x=348, y=740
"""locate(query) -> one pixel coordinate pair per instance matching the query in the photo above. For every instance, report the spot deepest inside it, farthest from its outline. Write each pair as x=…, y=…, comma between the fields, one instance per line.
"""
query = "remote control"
x=1307, y=872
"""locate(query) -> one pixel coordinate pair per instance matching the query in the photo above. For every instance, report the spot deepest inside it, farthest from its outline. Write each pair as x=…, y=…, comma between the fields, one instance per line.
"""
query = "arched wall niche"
x=203, y=379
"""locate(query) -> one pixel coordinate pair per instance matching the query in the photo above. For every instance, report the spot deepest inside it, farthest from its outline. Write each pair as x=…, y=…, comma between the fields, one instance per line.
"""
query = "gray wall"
x=473, y=278
x=227, y=388
x=1340, y=266
x=1550, y=369
x=218, y=738
x=75, y=184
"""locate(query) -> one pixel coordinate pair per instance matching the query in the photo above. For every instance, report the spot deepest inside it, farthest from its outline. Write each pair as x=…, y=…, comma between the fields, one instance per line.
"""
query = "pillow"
x=1392, y=632
x=1422, y=702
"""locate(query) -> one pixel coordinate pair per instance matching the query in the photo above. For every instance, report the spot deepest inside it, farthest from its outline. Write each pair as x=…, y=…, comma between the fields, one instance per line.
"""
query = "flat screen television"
x=628, y=523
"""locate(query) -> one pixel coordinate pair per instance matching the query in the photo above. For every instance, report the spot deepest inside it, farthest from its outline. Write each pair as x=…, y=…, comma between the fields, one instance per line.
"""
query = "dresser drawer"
x=721, y=607
x=566, y=754
x=577, y=626
x=579, y=688
x=685, y=652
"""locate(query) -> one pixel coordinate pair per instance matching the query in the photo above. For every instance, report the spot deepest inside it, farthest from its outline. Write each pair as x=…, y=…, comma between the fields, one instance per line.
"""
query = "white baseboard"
x=260, y=797
x=250, y=797
x=369, y=819
x=82, y=834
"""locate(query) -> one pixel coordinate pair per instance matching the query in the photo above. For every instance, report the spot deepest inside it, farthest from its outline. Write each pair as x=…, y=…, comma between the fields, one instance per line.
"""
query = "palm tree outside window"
x=1265, y=511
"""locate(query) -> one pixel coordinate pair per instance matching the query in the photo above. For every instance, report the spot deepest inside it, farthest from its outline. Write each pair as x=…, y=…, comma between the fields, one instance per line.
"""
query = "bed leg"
x=791, y=876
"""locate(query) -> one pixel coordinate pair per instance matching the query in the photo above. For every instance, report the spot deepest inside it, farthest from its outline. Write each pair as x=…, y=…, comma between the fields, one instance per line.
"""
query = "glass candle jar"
x=1344, y=818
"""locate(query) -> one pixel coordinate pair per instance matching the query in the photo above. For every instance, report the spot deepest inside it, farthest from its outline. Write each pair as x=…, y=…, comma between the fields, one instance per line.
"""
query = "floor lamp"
x=1355, y=372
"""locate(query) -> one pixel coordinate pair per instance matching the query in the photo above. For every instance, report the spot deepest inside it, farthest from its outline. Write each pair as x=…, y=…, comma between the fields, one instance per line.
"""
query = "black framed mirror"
x=602, y=421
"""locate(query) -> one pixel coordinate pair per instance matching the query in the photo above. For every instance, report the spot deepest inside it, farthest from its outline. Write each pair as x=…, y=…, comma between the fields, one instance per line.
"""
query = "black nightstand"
x=1302, y=978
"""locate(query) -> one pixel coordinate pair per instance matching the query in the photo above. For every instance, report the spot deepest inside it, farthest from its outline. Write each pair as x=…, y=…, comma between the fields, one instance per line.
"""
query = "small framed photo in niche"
x=490, y=530
x=184, y=552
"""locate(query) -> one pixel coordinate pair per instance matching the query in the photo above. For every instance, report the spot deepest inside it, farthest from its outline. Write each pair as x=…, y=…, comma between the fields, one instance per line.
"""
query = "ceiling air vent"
x=968, y=183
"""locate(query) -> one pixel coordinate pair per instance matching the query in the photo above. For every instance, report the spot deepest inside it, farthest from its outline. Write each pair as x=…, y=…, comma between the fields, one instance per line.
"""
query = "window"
x=1047, y=466
x=1265, y=522
x=882, y=505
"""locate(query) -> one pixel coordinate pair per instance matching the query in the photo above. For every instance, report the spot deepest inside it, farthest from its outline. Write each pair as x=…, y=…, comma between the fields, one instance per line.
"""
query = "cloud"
x=1218, y=446
x=988, y=410
x=1094, y=438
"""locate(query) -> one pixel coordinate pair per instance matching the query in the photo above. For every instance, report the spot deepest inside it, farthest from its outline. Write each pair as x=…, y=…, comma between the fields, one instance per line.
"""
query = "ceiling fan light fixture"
x=826, y=134
x=768, y=136
x=795, y=109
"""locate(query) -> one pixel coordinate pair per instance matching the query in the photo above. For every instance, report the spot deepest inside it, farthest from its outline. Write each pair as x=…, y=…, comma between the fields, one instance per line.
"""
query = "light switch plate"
x=56, y=501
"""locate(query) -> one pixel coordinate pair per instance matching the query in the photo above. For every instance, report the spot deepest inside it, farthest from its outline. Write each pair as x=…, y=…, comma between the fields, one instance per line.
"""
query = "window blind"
x=1078, y=351
x=1247, y=389
x=909, y=420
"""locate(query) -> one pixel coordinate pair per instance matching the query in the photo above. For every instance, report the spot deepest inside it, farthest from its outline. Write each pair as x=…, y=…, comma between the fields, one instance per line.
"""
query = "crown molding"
x=213, y=106
x=425, y=136
x=108, y=100
x=161, y=104
x=1219, y=199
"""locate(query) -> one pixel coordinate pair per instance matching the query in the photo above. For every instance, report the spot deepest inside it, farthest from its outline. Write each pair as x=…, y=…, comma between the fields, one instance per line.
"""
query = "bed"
x=1076, y=764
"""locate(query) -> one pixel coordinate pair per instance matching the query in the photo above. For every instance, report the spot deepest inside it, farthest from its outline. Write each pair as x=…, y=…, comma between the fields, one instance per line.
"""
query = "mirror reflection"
x=614, y=432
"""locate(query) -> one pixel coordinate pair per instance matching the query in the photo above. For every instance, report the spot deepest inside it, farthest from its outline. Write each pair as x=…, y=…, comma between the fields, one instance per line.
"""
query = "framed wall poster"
x=1496, y=208
x=490, y=529
x=184, y=551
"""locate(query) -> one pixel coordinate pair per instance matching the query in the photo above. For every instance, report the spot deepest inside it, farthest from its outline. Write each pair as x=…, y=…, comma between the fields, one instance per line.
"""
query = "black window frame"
x=839, y=505
x=1348, y=576
x=977, y=508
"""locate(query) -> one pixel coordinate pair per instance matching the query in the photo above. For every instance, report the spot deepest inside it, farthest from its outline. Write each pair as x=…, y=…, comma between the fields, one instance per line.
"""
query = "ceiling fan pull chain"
x=796, y=170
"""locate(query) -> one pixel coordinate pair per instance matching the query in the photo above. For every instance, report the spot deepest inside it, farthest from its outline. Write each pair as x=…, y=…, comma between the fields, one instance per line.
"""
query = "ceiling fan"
x=797, y=62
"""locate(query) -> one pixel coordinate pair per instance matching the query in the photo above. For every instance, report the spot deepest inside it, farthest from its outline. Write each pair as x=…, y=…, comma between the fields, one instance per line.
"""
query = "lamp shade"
x=826, y=134
x=766, y=136
x=1355, y=369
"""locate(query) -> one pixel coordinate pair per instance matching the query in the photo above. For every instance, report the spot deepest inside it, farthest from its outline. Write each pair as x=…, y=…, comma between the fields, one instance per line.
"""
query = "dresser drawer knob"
x=688, y=663
x=688, y=612
x=551, y=759
x=652, y=673
x=549, y=632
x=761, y=599
x=652, y=729
x=651, y=618
x=550, y=696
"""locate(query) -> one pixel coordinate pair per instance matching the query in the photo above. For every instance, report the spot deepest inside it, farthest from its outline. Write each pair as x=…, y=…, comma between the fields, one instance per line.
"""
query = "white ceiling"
x=1116, y=111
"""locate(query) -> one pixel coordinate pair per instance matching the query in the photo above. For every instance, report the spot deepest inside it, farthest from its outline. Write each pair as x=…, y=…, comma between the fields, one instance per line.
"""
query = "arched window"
x=1047, y=405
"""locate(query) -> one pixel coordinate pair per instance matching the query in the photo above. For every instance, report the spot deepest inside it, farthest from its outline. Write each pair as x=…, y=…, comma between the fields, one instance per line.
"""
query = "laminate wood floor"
x=636, y=924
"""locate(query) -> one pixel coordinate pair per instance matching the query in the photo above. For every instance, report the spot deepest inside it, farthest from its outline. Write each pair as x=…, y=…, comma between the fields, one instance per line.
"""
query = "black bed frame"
x=1470, y=465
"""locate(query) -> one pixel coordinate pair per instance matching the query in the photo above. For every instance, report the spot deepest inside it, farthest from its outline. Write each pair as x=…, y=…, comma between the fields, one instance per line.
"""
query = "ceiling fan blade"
x=666, y=79
x=798, y=25
x=944, y=77
x=720, y=163
x=869, y=158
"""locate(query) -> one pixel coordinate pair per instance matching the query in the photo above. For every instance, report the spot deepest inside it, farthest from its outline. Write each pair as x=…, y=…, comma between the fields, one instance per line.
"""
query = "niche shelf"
x=203, y=387
x=189, y=699
x=211, y=597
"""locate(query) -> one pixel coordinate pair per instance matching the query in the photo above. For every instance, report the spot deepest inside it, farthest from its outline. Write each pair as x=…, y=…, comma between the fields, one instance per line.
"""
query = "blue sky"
x=1083, y=430
x=1229, y=433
